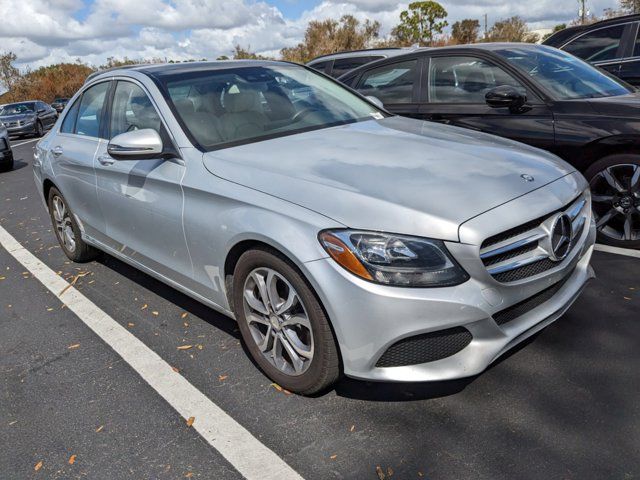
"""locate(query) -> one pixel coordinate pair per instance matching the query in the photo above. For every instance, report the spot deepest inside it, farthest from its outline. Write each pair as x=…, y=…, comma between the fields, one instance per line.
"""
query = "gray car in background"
x=32, y=117
x=337, y=64
x=341, y=239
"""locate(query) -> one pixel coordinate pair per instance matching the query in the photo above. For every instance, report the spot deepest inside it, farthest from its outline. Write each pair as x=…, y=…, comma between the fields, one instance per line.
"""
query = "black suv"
x=534, y=94
x=612, y=45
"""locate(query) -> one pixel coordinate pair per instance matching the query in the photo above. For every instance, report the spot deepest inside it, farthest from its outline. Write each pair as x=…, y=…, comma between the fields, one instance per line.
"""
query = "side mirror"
x=144, y=144
x=505, y=96
x=375, y=100
x=41, y=110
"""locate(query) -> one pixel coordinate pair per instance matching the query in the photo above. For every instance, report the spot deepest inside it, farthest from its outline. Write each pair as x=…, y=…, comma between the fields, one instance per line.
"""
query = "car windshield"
x=232, y=106
x=17, y=108
x=562, y=74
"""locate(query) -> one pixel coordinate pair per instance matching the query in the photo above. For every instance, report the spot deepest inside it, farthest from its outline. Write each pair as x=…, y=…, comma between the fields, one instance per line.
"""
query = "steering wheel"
x=303, y=113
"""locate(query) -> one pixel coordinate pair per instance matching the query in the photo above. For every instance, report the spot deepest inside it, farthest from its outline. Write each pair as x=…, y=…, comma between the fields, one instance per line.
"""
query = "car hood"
x=396, y=174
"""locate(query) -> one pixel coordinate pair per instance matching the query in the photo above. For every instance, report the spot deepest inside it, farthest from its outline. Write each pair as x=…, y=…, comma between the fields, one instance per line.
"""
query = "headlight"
x=393, y=259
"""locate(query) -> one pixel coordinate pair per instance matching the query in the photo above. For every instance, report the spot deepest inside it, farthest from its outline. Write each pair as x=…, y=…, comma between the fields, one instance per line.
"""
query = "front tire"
x=67, y=230
x=283, y=324
x=615, y=194
x=39, y=131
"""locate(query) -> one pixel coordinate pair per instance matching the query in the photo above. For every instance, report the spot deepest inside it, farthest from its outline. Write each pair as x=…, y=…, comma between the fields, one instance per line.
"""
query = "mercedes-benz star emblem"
x=527, y=178
x=560, y=237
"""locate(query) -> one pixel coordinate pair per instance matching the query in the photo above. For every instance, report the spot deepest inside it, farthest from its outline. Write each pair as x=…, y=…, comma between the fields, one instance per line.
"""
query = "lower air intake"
x=427, y=347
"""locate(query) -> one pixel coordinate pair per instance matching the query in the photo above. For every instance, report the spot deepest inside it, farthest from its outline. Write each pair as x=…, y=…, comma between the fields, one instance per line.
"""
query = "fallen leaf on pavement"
x=144, y=307
x=130, y=324
x=188, y=475
x=390, y=471
x=190, y=421
x=154, y=313
x=420, y=474
x=222, y=377
x=380, y=473
x=185, y=347
x=184, y=315
x=99, y=429
x=353, y=427
x=333, y=457
x=200, y=347
x=38, y=466
x=175, y=369
x=73, y=347
x=276, y=386
x=72, y=459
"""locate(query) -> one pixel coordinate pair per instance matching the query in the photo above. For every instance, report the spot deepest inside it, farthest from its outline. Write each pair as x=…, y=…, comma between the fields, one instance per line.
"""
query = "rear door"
x=73, y=150
x=142, y=200
x=630, y=64
x=396, y=83
x=454, y=88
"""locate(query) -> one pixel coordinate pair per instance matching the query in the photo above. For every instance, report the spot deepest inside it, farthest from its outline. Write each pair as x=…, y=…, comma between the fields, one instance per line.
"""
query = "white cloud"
x=41, y=32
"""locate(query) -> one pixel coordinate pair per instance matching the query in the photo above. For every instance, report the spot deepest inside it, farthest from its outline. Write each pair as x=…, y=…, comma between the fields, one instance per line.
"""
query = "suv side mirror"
x=505, y=96
x=144, y=144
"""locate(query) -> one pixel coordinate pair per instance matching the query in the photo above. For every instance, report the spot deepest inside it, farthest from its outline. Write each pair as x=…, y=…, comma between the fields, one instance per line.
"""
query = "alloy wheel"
x=63, y=224
x=278, y=321
x=615, y=194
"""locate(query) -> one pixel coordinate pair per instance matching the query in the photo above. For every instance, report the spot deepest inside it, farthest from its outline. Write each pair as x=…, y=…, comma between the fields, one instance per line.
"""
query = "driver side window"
x=465, y=80
x=132, y=110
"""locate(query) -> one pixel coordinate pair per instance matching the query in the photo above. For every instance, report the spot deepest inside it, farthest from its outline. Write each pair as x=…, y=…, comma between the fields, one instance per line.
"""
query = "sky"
x=43, y=32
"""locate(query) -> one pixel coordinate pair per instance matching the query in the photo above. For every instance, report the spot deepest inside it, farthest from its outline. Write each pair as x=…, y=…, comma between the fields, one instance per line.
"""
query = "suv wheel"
x=67, y=230
x=615, y=194
x=283, y=324
x=39, y=129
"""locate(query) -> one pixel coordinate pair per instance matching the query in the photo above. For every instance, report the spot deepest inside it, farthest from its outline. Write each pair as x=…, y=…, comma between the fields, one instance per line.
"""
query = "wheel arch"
x=607, y=146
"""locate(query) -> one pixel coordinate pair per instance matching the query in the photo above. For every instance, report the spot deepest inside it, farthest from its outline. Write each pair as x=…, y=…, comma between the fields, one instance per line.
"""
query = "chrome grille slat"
x=522, y=251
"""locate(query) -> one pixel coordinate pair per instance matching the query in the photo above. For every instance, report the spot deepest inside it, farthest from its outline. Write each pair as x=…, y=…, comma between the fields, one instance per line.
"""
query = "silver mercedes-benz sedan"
x=342, y=239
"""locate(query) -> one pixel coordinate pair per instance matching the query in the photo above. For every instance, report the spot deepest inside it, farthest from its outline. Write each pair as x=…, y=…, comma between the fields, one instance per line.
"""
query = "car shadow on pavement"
x=172, y=295
x=17, y=165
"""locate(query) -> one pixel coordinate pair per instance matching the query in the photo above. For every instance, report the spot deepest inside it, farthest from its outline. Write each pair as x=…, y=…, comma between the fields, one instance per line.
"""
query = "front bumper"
x=369, y=318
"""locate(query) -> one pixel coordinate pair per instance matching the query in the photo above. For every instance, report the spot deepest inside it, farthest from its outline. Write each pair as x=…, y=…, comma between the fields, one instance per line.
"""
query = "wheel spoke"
x=262, y=290
x=296, y=361
x=612, y=180
x=264, y=346
x=297, y=345
x=595, y=198
x=255, y=303
x=297, y=320
x=628, y=229
x=292, y=299
x=604, y=219
x=272, y=289
x=634, y=183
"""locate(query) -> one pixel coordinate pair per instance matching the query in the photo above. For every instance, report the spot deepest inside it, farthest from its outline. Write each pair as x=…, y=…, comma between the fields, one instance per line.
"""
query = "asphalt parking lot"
x=563, y=405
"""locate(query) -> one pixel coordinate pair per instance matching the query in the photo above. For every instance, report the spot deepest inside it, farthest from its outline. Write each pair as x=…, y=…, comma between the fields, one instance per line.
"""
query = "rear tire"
x=66, y=229
x=615, y=190
x=39, y=131
x=276, y=336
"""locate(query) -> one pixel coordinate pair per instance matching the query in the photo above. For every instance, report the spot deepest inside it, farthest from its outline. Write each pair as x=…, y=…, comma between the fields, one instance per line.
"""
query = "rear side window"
x=390, y=83
x=90, y=110
x=320, y=66
x=343, y=65
x=69, y=122
x=597, y=46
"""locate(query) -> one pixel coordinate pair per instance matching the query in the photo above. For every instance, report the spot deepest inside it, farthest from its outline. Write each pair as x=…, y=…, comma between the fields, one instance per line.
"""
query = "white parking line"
x=620, y=251
x=241, y=449
x=24, y=143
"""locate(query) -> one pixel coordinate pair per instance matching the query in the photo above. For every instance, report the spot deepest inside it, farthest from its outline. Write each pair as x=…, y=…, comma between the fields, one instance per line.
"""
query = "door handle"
x=105, y=160
x=57, y=151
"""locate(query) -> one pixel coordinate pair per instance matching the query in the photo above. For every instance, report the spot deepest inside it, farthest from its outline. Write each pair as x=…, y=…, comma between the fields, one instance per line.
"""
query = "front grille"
x=427, y=347
x=519, y=309
x=522, y=252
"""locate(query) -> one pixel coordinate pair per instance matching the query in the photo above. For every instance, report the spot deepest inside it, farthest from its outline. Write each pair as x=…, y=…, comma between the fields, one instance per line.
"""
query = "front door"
x=142, y=200
x=455, y=87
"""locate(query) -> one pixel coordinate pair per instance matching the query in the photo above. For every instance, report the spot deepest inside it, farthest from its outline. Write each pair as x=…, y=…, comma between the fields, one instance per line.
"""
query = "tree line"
x=422, y=24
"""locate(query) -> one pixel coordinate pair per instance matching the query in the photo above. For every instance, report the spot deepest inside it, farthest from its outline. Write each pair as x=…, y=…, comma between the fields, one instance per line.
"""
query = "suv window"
x=598, y=45
x=465, y=79
x=132, y=110
x=343, y=65
x=69, y=122
x=390, y=83
x=90, y=110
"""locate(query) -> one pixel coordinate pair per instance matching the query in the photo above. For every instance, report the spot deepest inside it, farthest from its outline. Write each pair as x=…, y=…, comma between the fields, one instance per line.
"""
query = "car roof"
x=388, y=52
x=160, y=69
x=562, y=36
